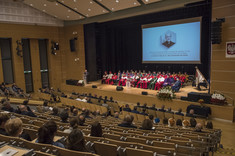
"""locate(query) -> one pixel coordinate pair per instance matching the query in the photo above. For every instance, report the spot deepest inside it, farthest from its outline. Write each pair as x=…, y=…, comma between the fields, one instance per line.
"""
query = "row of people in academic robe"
x=149, y=80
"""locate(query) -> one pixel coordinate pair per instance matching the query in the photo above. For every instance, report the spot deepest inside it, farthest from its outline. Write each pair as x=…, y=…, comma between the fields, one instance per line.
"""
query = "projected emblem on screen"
x=168, y=39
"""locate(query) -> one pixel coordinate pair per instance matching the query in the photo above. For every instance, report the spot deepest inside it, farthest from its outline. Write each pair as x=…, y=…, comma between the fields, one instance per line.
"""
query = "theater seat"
x=105, y=149
x=137, y=152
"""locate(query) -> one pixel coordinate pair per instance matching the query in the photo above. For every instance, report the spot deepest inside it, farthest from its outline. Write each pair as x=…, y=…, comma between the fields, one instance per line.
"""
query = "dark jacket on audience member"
x=162, y=110
x=179, y=113
x=127, y=125
x=28, y=113
x=3, y=131
x=126, y=109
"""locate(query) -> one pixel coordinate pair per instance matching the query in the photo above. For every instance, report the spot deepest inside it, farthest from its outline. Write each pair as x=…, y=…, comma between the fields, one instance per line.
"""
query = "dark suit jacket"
x=178, y=113
x=162, y=110
x=127, y=125
x=126, y=109
x=28, y=113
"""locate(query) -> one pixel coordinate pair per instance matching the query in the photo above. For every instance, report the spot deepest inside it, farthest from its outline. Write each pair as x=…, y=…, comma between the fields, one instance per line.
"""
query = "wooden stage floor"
x=137, y=91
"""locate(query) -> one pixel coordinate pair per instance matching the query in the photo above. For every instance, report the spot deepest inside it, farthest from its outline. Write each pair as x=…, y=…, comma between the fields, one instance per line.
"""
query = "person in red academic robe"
x=109, y=78
x=114, y=79
x=122, y=82
x=159, y=83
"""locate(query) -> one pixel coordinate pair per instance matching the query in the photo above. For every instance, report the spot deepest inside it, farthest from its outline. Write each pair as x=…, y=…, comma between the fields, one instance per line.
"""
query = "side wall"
x=59, y=68
x=222, y=68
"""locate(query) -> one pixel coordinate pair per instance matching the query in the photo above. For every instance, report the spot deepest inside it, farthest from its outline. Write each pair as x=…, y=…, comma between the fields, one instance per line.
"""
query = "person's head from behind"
x=14, y=127
x=3, y=119
x=209, y=125
x=145, y=104
x=171, y=122
x=151, y=117
x=25, y=102
x=81, y=120
x=6, y=104
x=198, y=127
x=138, y=104
x=55, y=110
x=127, y=106
x=47, y=132
x=144, y=110
x=153, y=105
x=163, y=107
x=178, y=122
x=74, y=122
x=128, y=119
x=116, y=115
x=165, y=121
x=75, y=112
x=45, y=103
x=96, y=129
x=64, y=116
x=169, y=109
x=147, y=124
x=185, y=123
x=76, y=141
x=135, y=108
x=193, y=122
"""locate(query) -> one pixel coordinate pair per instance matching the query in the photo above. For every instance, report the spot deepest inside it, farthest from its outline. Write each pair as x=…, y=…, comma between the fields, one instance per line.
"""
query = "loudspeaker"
x=72, y=45
x=119, y=88
x=94, y=86
x=144, y=93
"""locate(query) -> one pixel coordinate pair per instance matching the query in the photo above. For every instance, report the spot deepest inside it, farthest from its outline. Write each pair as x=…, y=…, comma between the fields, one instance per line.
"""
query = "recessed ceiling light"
x=75, y=8
x=89, y=9
x=146, y=0
x=31, y=4
x=62, y=1
x=44, y=10
x=104, y=11
x=69, y=10
x=67, y=16
x=56, y=3
x=134, y=3
x=87, y=15
x=45, y=5
x=117, y=1
x=112, y=8
x=75, y=0
x=91, y=2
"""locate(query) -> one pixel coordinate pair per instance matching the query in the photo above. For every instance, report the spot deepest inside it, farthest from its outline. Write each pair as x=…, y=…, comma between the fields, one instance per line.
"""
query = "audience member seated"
x=209, y=125
x=193, y=122
x=153, y=107
x=55, y=111
x=156, y=120
x=127, y=122
x=96, y=129
x=64, y=115
x=74, y=122
x=7, y=107
x=179, y=112
x=162, y=109
x=25, y=102
x=185, y=124
x=45, y=107
x=87, y=114
x=46, y=134
x=169, y=111
x=14, y=127
x=75, y=112
x=143, y=111
x=24, y=111
x=81, y=120
x=165, y=121
x=151, y=117
x=171, y=122
x=147, y=124
x=127, y=108
x=135, y=110
x=198, y=128
x=116, y=115
x=63, y=95
x=76, y=141
x=3, y=119
x=191, y=114
x=179, y=122
x=176, y=86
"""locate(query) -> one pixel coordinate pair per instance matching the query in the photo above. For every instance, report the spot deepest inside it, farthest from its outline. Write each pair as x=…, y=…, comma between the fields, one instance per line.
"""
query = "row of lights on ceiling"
x=117, y=1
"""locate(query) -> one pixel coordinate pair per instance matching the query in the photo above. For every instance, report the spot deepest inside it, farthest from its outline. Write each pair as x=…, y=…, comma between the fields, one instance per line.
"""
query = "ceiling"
x=92, y=10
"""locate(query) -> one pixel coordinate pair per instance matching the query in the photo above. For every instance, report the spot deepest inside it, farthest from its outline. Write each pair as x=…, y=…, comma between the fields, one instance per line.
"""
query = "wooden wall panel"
x=222, y=68
x=60, y=66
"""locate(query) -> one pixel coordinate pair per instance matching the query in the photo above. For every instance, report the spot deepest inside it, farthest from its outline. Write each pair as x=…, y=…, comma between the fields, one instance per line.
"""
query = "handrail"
x=226, y=96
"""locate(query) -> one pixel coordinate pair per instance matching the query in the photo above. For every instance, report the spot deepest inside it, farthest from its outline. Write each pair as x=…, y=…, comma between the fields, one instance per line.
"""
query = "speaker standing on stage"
x=85, y=77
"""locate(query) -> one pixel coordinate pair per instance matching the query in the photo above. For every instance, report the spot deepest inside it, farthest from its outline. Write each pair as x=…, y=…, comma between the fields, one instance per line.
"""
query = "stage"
x=134, y=95
x=138, y=91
